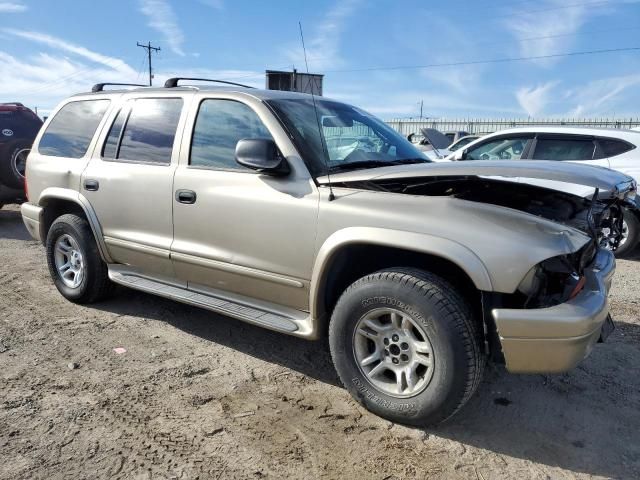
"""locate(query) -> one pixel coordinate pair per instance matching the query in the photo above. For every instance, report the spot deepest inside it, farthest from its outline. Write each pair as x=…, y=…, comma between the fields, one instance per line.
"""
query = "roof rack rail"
x=99, y=87
x=17, y=104
x=173, y=82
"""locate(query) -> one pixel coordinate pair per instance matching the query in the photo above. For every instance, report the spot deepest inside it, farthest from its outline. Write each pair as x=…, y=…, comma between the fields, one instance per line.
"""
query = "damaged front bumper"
x=555, y=339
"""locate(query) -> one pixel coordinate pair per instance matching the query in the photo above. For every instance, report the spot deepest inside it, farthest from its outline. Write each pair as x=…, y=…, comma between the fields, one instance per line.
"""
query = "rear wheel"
x=75, y=265
x=630, y=234
x=405, y=345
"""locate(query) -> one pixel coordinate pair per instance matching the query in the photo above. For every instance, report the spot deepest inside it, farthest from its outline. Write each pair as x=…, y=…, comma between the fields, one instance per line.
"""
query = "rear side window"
x=145, y=132
x=70, y=132
x=564, y=149
x=219, y=126
x=611, y=147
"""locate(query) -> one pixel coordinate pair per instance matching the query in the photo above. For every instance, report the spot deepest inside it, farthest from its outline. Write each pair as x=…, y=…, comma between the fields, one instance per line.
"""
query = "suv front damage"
x=550, y=322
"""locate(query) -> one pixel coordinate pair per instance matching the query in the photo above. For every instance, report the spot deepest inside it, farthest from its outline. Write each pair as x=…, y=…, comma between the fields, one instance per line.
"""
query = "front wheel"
x=406, y=346
x=75, y=265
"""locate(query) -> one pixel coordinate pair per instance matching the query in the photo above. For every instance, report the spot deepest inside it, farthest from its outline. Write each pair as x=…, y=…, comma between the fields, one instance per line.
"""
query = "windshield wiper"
x=361, y=164
x=409, y=161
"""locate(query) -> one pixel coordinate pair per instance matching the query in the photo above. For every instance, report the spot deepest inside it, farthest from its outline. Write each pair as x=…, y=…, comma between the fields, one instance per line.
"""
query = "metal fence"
x=489, y=125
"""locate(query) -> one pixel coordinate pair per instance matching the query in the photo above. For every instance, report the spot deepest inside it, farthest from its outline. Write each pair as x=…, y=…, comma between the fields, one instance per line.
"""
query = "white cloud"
x=323, y=47
x=11, y=7
x=534, y=99
x=246, y=77
x=436, y=105
x=59, y=44
x=44, y=79
x=452, y=41
x=553, y=18
x=163, y=19
x=604, y=96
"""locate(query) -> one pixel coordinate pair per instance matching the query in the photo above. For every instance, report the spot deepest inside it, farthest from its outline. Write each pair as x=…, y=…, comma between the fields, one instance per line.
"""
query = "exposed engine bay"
x=557, y=279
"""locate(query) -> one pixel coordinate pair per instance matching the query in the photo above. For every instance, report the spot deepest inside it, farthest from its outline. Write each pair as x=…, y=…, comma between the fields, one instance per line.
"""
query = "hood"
x=611, y=183
x=436, y=138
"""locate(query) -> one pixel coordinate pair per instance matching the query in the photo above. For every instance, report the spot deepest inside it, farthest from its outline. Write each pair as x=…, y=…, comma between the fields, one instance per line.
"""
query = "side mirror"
x=262, y=155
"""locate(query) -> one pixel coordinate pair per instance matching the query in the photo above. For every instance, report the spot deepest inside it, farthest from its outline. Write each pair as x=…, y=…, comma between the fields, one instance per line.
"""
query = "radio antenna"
x=325, y=150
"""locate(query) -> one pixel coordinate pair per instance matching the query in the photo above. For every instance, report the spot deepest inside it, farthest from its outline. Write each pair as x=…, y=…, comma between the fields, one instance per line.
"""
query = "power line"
x=479, y=62
x=149, y=48
x=528, y=39
x=140, y=69
x=560, y=35
x=54, y=84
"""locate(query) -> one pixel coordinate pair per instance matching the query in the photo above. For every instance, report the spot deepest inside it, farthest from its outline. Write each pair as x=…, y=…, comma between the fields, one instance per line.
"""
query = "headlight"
x=555, y=280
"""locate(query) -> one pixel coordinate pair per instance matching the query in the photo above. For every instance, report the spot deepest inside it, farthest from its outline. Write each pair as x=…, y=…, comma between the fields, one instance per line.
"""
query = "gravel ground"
x=198, y=395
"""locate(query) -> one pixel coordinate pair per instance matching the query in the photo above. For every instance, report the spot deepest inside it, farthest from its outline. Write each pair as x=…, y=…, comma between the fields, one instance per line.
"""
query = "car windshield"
x=461, y=143
x=353, y=139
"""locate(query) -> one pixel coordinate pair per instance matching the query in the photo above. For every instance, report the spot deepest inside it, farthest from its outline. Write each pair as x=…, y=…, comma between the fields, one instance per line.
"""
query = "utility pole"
x=149, y=48
x=421, y=105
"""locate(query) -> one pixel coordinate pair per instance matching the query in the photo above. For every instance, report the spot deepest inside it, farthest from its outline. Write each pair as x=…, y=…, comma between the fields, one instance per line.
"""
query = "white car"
x=432, y=143
x=609, y=148
x=463, y=141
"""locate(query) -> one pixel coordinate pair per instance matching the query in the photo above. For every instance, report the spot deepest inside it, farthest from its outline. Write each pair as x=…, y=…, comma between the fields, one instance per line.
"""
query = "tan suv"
x=311, y=217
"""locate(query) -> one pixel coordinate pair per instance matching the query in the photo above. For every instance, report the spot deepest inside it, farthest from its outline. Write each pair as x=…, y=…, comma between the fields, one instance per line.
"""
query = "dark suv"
x=18, y=127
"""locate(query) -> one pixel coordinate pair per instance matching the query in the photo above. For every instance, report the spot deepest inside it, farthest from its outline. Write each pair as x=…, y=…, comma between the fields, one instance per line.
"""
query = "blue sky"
x=51, y=49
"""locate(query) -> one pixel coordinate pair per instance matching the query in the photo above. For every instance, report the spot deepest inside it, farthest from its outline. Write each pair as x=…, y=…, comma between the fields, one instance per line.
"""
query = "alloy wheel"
x=69, y=261
x=393, y=352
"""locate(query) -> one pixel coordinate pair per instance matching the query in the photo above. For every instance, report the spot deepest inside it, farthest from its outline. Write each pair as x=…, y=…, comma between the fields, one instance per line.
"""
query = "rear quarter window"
x=612, y=147
x=70, y=132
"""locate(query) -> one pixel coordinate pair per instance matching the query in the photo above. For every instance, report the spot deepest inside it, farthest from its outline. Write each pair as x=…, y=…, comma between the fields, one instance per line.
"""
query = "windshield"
x=353, y=138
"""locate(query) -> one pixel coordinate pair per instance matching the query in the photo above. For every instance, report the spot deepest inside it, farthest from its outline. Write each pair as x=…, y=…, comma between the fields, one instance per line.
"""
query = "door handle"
x=186, y=196
x=91, y=185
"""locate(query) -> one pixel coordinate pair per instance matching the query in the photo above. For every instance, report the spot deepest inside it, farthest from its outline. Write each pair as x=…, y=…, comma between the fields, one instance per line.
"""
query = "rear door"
x=129, y=181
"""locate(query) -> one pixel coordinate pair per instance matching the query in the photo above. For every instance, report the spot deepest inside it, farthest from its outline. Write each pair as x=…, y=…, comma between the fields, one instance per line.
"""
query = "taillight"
x=26, y=188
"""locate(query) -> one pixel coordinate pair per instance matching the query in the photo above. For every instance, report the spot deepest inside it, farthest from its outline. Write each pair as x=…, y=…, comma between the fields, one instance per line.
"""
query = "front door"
x=129, y=183
x=237, y=230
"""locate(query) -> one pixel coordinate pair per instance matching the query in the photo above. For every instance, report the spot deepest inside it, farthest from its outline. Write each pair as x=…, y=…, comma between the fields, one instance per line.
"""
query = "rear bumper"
x=555, y=339
x=31, y=216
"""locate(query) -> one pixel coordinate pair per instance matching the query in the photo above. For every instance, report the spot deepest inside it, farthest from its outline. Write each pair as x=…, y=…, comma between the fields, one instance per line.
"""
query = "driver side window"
x=220, y=124
x=510, y=148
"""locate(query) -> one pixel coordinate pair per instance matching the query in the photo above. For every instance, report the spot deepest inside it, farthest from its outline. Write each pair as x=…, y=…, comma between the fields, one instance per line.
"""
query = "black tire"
x=95, y=284
x=633, y=234
x=10, y=174
x=448, y=323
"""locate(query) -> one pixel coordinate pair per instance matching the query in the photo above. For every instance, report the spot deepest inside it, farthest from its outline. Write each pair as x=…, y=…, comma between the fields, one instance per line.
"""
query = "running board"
x=300, y=326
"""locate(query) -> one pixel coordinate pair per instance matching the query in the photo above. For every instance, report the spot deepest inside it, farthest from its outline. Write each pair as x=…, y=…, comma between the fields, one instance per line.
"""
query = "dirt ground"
x=203, y=396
